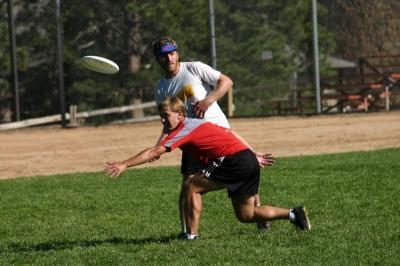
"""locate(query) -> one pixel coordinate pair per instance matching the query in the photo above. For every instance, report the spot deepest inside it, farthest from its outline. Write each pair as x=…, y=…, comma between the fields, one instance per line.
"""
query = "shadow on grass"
x=51, y=246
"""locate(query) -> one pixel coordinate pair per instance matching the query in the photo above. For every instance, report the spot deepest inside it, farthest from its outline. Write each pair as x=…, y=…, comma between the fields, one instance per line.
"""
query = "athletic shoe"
x=301, y=221
x=182, y=236
x=186, y=236
x=264, y=225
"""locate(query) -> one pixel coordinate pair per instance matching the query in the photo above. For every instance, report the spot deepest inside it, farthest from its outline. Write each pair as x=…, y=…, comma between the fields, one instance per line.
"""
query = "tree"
x=124, y=30
x=247, y=29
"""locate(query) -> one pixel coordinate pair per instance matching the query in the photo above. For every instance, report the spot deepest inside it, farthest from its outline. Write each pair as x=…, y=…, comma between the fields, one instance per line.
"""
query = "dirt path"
x=46, y=151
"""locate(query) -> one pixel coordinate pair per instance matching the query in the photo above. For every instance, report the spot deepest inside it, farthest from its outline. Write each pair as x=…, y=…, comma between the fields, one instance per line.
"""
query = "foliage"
x=124, y=30
x=246, y=30
x=83, y=219
x=5, y=64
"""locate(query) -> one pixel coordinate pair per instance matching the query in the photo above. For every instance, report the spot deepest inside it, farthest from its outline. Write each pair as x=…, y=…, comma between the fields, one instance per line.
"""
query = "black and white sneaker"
x=301, y=219
x=186, y=236
x=182, y=236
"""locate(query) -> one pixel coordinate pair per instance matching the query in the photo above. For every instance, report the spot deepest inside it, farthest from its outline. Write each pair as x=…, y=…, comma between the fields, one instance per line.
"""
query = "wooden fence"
x=73, y=116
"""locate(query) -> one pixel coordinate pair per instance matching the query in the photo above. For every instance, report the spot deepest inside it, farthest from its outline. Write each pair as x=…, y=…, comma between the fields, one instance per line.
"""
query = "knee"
x=245, y=217
x=186, y=181
x=189, y=189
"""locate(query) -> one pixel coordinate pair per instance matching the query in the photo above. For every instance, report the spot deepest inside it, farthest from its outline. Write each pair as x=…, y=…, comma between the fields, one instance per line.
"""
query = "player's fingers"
x=107, y=170
x=112, y=171
x=270, y=159
x=198, y=114
x=267, y=155
x=114, y=174
x=267, y=162
x=201, y=116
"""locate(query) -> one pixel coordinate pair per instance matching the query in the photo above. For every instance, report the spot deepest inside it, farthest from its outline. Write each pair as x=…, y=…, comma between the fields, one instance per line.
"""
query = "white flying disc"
x=99, y=64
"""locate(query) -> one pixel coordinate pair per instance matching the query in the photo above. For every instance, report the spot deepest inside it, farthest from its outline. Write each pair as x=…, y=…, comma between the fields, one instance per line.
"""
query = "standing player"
x=199, y=87
x=226, y=163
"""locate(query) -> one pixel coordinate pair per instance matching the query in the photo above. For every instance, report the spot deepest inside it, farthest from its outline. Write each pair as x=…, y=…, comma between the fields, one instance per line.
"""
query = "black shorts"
x=239, y=173
x=190, y=165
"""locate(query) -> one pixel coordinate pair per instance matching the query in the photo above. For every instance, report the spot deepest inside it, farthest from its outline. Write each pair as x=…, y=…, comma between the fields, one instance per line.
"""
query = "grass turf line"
x=89, y=219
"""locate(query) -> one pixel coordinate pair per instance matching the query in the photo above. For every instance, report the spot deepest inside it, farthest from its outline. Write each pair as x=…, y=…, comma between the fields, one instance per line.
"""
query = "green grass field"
x=87, y=219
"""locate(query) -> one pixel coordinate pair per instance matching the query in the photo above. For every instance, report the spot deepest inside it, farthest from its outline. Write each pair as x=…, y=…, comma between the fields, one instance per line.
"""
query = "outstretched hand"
x=265, y=159
x=114, y=169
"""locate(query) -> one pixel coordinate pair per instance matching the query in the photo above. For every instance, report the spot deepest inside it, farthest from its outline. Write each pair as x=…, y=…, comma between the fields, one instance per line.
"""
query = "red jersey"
x=203, y=140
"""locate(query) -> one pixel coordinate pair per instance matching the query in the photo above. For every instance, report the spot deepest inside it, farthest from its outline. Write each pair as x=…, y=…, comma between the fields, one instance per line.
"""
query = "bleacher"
x=369, y=83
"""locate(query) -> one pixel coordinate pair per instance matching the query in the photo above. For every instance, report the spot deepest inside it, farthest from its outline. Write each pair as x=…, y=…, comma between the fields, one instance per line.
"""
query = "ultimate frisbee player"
x=226, y=163
x=199, y=87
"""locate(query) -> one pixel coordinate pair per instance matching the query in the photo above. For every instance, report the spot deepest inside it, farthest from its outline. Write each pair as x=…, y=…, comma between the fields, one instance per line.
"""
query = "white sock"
x=292, y=216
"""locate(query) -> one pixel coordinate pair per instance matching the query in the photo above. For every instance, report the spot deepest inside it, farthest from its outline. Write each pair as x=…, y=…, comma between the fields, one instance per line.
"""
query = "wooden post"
x=73, y=122
x=387, y=102
x=230, y=105
x=366, y=104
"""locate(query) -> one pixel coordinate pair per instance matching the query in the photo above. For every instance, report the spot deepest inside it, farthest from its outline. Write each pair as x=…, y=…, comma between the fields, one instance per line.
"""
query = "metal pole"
x=229, y=98
x=11, y=27
x=60, y=63
x=212, y=33
x=316, y=57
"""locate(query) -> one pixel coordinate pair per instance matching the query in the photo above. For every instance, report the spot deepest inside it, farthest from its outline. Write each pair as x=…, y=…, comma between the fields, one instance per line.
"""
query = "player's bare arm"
x=114, y=169
x=161, y=138
x=223, y=85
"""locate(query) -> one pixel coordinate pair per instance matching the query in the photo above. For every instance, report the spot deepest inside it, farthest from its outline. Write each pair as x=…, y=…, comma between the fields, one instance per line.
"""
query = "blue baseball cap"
x=164, y=45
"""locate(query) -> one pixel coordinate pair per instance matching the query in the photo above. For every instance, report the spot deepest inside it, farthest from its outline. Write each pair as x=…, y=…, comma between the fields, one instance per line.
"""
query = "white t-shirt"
x=193, y=82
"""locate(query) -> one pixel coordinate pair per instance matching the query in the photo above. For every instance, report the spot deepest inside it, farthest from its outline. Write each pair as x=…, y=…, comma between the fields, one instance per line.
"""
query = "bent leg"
x=182, y=197
x=261, y=224
x=246, y=212
x=196, y=186
x=189, y=167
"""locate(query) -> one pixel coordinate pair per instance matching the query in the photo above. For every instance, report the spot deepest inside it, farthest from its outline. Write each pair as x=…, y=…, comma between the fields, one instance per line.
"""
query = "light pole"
x=11, y=27
x=316, y=57
x=212, y=33
x=60, y=63
x=211, y=16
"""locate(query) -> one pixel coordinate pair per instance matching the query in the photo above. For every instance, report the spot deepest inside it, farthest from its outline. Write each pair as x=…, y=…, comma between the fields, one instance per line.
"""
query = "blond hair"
x=174, y=104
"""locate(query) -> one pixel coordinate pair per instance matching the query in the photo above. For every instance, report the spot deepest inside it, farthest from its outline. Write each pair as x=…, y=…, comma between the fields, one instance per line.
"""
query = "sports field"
x=46, y=151
x=87, y=219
